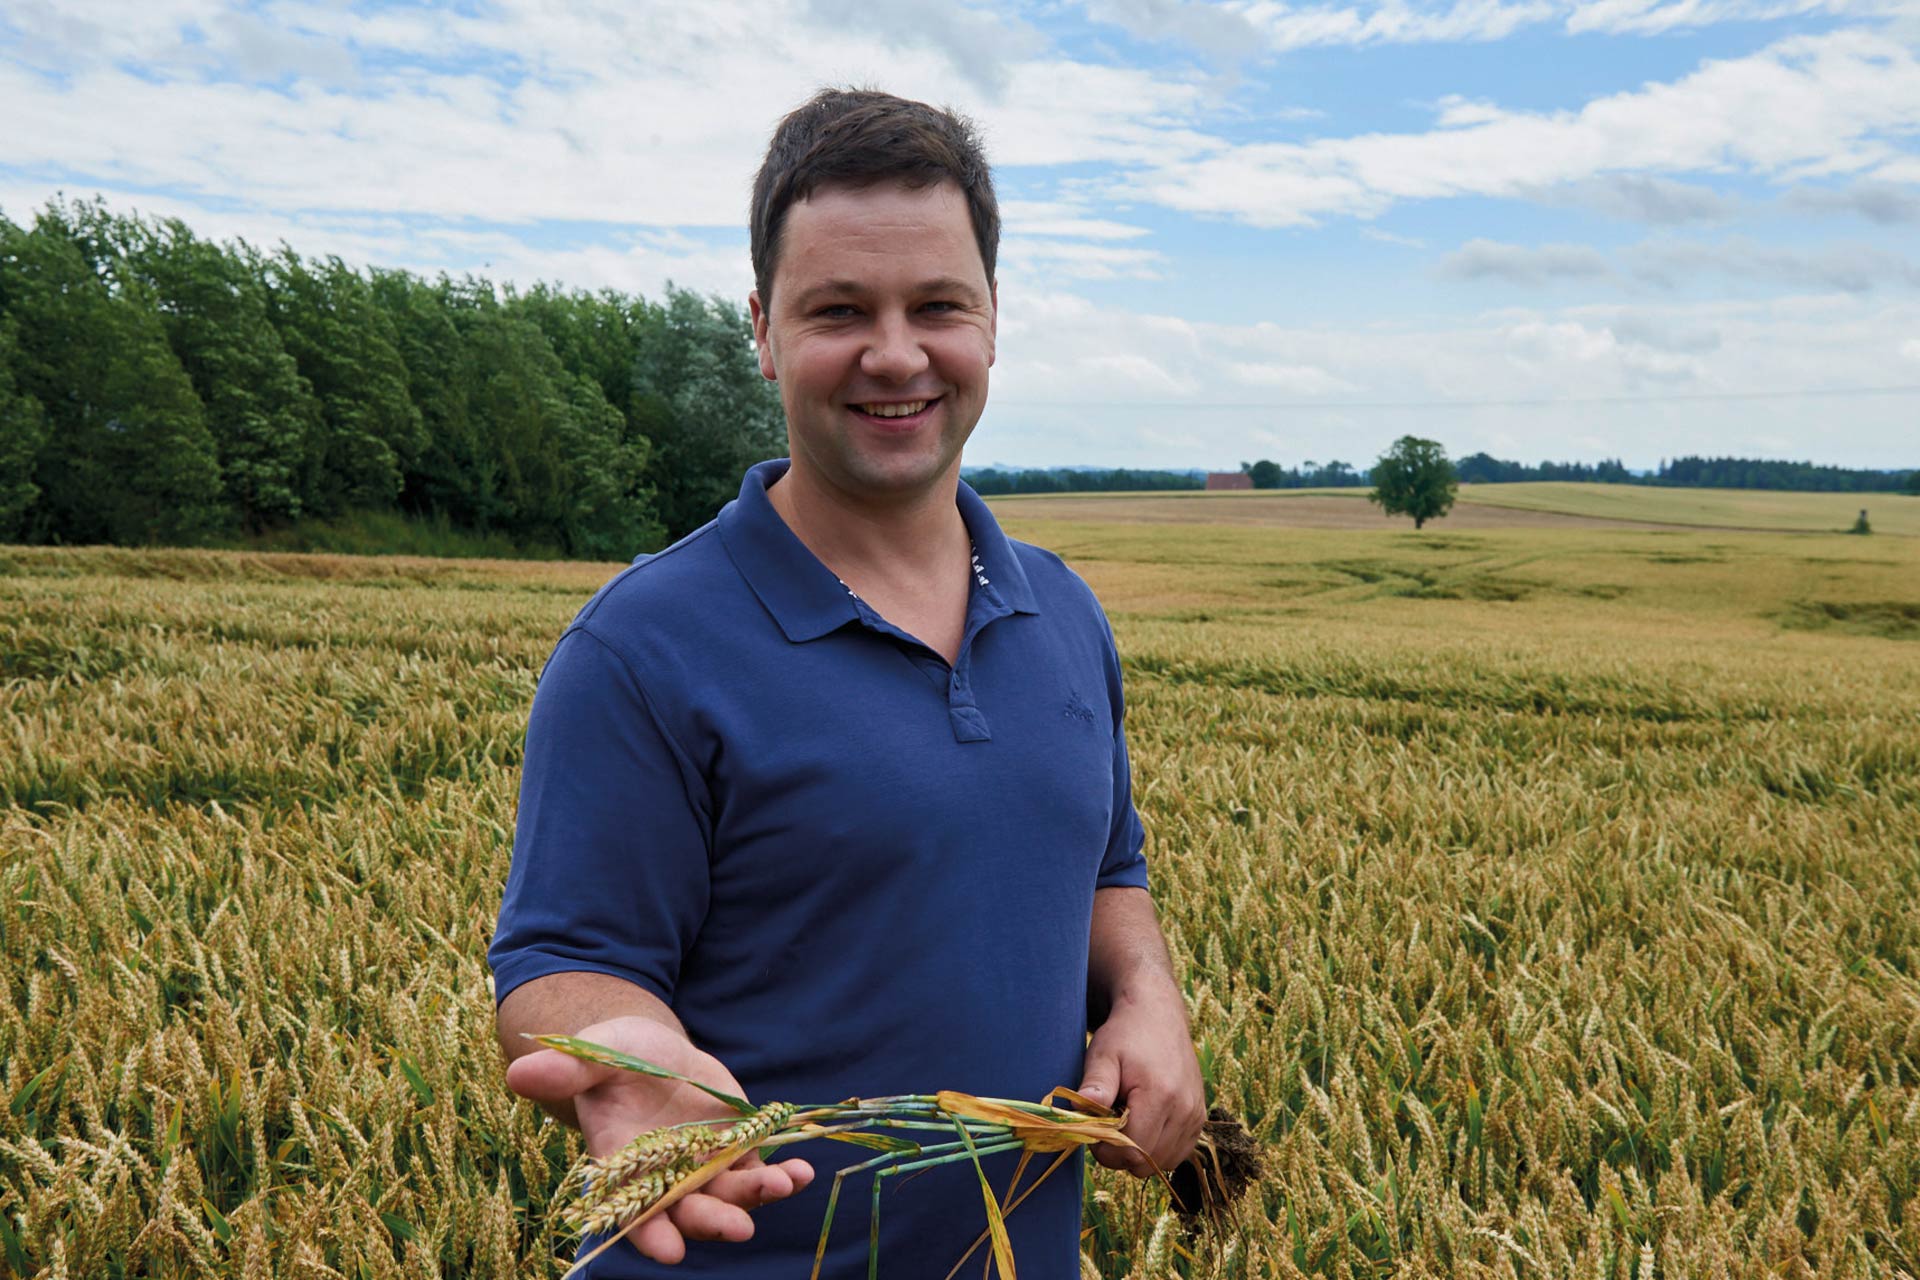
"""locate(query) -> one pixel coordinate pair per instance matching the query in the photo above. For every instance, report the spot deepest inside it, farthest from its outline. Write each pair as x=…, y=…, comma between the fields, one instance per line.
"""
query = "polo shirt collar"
x=803, y=595
x=997, y=556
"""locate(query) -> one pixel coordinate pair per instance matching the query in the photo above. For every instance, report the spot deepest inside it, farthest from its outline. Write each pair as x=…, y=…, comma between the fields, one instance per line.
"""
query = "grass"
x=1731, y=508
x=1543, y=900
x=1742, y=509
x=370, y=533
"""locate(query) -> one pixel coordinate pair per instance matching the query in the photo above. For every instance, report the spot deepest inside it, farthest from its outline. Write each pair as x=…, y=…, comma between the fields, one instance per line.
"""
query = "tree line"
x=1696, y=473
x=1687, y=472
x=994, y=480
x=1755, y=473
x=1267, y=474
x=159, y=387
x=1482, y=468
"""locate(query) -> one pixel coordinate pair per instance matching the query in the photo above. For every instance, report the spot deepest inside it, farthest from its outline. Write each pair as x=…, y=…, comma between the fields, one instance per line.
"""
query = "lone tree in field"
x=1414, y=478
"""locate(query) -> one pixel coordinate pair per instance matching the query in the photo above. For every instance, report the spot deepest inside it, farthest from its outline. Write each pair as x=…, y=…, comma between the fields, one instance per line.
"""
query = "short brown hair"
x=858, y=137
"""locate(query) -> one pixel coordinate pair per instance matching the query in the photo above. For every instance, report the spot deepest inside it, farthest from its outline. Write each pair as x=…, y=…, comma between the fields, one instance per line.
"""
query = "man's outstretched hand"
x=614, y=1105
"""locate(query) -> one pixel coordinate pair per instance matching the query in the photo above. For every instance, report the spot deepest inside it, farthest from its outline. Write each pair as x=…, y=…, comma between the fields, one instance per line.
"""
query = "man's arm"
x=1141, y=1055
x=610, y=1106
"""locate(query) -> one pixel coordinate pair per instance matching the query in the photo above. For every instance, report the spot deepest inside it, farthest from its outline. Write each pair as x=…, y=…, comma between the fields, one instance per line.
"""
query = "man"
x=831, y=798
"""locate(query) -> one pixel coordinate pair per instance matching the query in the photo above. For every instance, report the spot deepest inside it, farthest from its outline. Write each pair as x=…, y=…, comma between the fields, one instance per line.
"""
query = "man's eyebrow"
x=813, y=294
x=952, y=284
x=829, y=289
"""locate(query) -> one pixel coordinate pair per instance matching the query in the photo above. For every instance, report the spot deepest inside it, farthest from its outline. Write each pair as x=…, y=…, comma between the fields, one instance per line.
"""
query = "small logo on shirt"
x=1078, y=709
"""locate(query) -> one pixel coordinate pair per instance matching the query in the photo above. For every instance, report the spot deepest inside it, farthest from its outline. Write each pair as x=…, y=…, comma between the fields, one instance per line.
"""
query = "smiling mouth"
x=895, y=411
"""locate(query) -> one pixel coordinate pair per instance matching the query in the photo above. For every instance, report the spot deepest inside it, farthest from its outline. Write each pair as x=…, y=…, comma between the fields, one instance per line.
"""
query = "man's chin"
x=902, y=477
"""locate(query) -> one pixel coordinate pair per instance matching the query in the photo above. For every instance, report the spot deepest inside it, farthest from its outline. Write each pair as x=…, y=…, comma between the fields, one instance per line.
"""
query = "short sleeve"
x=610, y=849
x=1123, y=863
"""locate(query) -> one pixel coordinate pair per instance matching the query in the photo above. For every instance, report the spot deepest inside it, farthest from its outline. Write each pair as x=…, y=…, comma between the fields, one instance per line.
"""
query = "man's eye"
x=940, y=306
x=838, y=311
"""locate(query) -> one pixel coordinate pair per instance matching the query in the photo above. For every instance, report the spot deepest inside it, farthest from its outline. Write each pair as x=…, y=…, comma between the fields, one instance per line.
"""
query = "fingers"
x=1101, y=1080
x=658, y=1238
x=756, y=1184
x=552, y=1076
x=1123, y=1159
x=718, y=1211
x=705, y=1217
x=1163, y=1128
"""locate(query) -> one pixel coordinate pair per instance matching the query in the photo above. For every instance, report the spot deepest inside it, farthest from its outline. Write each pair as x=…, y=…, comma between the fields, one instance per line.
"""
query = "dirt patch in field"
x=1290, y=513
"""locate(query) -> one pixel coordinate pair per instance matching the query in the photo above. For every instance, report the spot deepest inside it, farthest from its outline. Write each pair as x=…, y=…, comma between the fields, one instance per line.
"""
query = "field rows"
x=1545, y=902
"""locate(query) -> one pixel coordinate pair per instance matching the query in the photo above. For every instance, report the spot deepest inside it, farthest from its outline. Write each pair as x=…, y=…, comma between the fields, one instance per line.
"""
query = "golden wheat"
x=1544, y=902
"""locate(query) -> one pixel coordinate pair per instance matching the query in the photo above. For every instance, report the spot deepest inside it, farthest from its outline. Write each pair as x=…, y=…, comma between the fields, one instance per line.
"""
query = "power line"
x=1817, y=393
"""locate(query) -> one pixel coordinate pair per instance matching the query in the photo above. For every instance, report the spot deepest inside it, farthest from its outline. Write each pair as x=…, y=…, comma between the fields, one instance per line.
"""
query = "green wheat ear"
x=588, y=1051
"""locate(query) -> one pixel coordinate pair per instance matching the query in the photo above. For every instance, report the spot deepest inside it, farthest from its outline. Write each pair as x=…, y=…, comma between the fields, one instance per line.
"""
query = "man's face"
x=880, y=332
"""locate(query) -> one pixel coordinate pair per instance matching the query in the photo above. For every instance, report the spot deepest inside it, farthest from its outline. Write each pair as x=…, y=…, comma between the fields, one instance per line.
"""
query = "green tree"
x=261, y=412
x=457, y=473
x=517, y=442
x=698, y=395
x=566, y=474
x=1266, y=474
x=1913, y=484
x=594, y=334
x=23, y=432
x=1414, y=478
x=343, y=342
x=126, y=456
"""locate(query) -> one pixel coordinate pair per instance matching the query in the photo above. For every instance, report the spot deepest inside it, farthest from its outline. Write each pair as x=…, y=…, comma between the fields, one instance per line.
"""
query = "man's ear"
x=761, y=342
x=993, y=320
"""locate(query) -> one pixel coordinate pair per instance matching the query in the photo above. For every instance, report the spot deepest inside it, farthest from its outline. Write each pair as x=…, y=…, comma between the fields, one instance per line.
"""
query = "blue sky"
x=1543, y=228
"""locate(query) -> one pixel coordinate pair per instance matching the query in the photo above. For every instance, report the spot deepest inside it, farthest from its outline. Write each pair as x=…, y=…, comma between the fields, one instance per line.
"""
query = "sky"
x=1568, y=229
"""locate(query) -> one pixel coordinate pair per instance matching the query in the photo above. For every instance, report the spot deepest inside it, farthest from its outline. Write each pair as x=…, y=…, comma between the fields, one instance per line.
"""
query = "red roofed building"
x=1228, y=480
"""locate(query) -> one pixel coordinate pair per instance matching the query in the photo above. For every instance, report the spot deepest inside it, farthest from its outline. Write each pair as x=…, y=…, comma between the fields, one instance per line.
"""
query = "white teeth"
x=906, y=410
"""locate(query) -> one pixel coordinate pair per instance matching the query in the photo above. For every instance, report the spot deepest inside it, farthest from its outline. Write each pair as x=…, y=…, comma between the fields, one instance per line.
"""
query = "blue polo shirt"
x=850, y=868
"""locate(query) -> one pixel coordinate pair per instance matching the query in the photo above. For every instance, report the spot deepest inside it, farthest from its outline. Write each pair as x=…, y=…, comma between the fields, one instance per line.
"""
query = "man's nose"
x=895, y=353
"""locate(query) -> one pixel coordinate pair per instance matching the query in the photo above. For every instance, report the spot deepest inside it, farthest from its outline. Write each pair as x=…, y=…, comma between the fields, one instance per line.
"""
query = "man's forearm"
x=563, y=1003
x=1127, y=957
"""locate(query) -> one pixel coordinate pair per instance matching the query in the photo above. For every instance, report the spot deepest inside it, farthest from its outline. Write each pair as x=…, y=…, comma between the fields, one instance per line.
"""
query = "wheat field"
x=1546, y=902
x=1530, y=503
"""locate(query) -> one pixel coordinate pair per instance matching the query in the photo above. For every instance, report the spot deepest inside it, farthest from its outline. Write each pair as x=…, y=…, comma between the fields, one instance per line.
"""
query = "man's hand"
x=612, y=1106
x=1141, y=1055
x=1142, y=1060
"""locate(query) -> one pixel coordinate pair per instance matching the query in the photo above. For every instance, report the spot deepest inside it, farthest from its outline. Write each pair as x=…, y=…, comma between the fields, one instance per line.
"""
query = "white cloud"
x=978, y=43
x=1388, y=237
x=1077, y=381
x=1851, y=268
x=1523, y=264
x=1214, y=28
x=1041, y=258
x=1638, y=197
x=647, y=115
x=1285, y=27
x=1291, y=379
x=1059, y=218
x=1672, y=263
x=596, y=143
x=1887, y=203
x=1240, y=29
x=1805, y=107
x=1657, y=17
